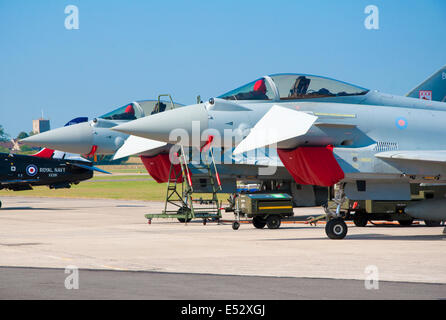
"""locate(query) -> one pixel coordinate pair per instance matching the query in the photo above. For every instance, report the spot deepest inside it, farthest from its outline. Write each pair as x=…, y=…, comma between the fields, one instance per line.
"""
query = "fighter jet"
x=370, y=145
x=94, y=136
x=54, y=169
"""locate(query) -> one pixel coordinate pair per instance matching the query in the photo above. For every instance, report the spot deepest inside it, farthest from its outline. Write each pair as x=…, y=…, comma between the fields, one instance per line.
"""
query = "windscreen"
x=256, y=90
x=127, y=112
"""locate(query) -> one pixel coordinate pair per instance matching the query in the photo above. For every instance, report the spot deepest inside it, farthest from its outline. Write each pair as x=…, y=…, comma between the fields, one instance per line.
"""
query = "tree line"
x=5, y=137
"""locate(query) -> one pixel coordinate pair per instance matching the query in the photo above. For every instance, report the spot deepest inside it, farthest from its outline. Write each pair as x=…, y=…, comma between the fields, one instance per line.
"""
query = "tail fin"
x=434, y=88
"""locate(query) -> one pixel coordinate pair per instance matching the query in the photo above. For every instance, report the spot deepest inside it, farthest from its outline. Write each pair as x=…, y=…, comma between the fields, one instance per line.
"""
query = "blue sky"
x=130, y=50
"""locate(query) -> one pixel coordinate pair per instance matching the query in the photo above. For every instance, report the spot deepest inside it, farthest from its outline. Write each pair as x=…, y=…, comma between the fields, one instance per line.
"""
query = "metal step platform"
x=179, y=203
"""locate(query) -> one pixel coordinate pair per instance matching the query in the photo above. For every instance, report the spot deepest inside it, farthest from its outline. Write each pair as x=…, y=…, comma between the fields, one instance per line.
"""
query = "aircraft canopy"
x=128, y=112
x=292, y=87
x=136, y=110
x=260, y=89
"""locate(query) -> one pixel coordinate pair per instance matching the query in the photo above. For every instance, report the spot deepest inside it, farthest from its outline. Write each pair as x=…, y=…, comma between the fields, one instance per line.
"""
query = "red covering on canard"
x=159, y=166
x=312, y=165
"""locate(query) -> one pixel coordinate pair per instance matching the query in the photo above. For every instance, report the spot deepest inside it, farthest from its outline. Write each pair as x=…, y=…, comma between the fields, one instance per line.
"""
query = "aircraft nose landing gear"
x=336, y=228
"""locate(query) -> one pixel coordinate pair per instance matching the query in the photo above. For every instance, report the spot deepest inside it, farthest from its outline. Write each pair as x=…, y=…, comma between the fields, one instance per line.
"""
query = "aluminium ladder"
x=179, y=195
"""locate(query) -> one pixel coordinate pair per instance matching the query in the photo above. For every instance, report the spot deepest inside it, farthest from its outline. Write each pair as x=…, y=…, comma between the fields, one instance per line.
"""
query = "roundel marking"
x=31, y=170
x=401, y=123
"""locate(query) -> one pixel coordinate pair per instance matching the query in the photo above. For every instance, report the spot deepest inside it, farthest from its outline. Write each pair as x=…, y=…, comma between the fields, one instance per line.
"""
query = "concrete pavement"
x=114, y=235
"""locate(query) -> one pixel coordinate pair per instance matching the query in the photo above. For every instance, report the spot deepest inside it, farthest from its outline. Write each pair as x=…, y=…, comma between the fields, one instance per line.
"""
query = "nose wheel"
x=336, y=228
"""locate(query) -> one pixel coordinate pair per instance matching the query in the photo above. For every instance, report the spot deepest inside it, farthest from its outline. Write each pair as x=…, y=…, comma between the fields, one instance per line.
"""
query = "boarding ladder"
x=180, y=200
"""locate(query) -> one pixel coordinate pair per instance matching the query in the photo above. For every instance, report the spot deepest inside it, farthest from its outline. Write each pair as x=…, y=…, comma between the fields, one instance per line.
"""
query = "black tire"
x=259, y=222
x=235, y=225
x=182, y=211
x=360, y=219
x=273, y=222
x=0, y=204
x=336, y=228
x=432, y=223
x=405, y=222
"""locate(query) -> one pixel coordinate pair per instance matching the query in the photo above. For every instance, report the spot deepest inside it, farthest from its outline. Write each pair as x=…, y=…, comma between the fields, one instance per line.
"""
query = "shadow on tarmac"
x=373, y=236
x=32, y=208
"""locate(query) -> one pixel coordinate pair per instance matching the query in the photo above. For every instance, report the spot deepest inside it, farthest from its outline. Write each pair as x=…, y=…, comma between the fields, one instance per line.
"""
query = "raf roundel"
x=401, y=123
x=31, y=170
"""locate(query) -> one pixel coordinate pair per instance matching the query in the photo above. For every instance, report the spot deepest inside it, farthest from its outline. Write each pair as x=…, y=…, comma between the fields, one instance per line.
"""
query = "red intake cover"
x=312, y=165
x=159, y=166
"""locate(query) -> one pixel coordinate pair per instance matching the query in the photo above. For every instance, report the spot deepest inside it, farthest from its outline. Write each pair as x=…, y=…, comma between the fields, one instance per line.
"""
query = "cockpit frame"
x=293, y=86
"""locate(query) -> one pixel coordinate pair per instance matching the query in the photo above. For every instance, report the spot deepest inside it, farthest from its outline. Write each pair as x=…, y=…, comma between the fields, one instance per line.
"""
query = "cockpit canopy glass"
x=154, y=106
x=127, y=112
x=299, y=86
x=256, y=90
x=136, y=110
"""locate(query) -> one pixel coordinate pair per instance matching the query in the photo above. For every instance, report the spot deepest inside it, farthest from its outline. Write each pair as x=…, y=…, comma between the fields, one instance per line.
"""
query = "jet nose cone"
x=187, y=122
x=76, y=138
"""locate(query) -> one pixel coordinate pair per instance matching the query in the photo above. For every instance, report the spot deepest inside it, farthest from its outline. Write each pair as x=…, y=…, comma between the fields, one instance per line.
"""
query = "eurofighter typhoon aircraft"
x=371, y=145
x=95, y=137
